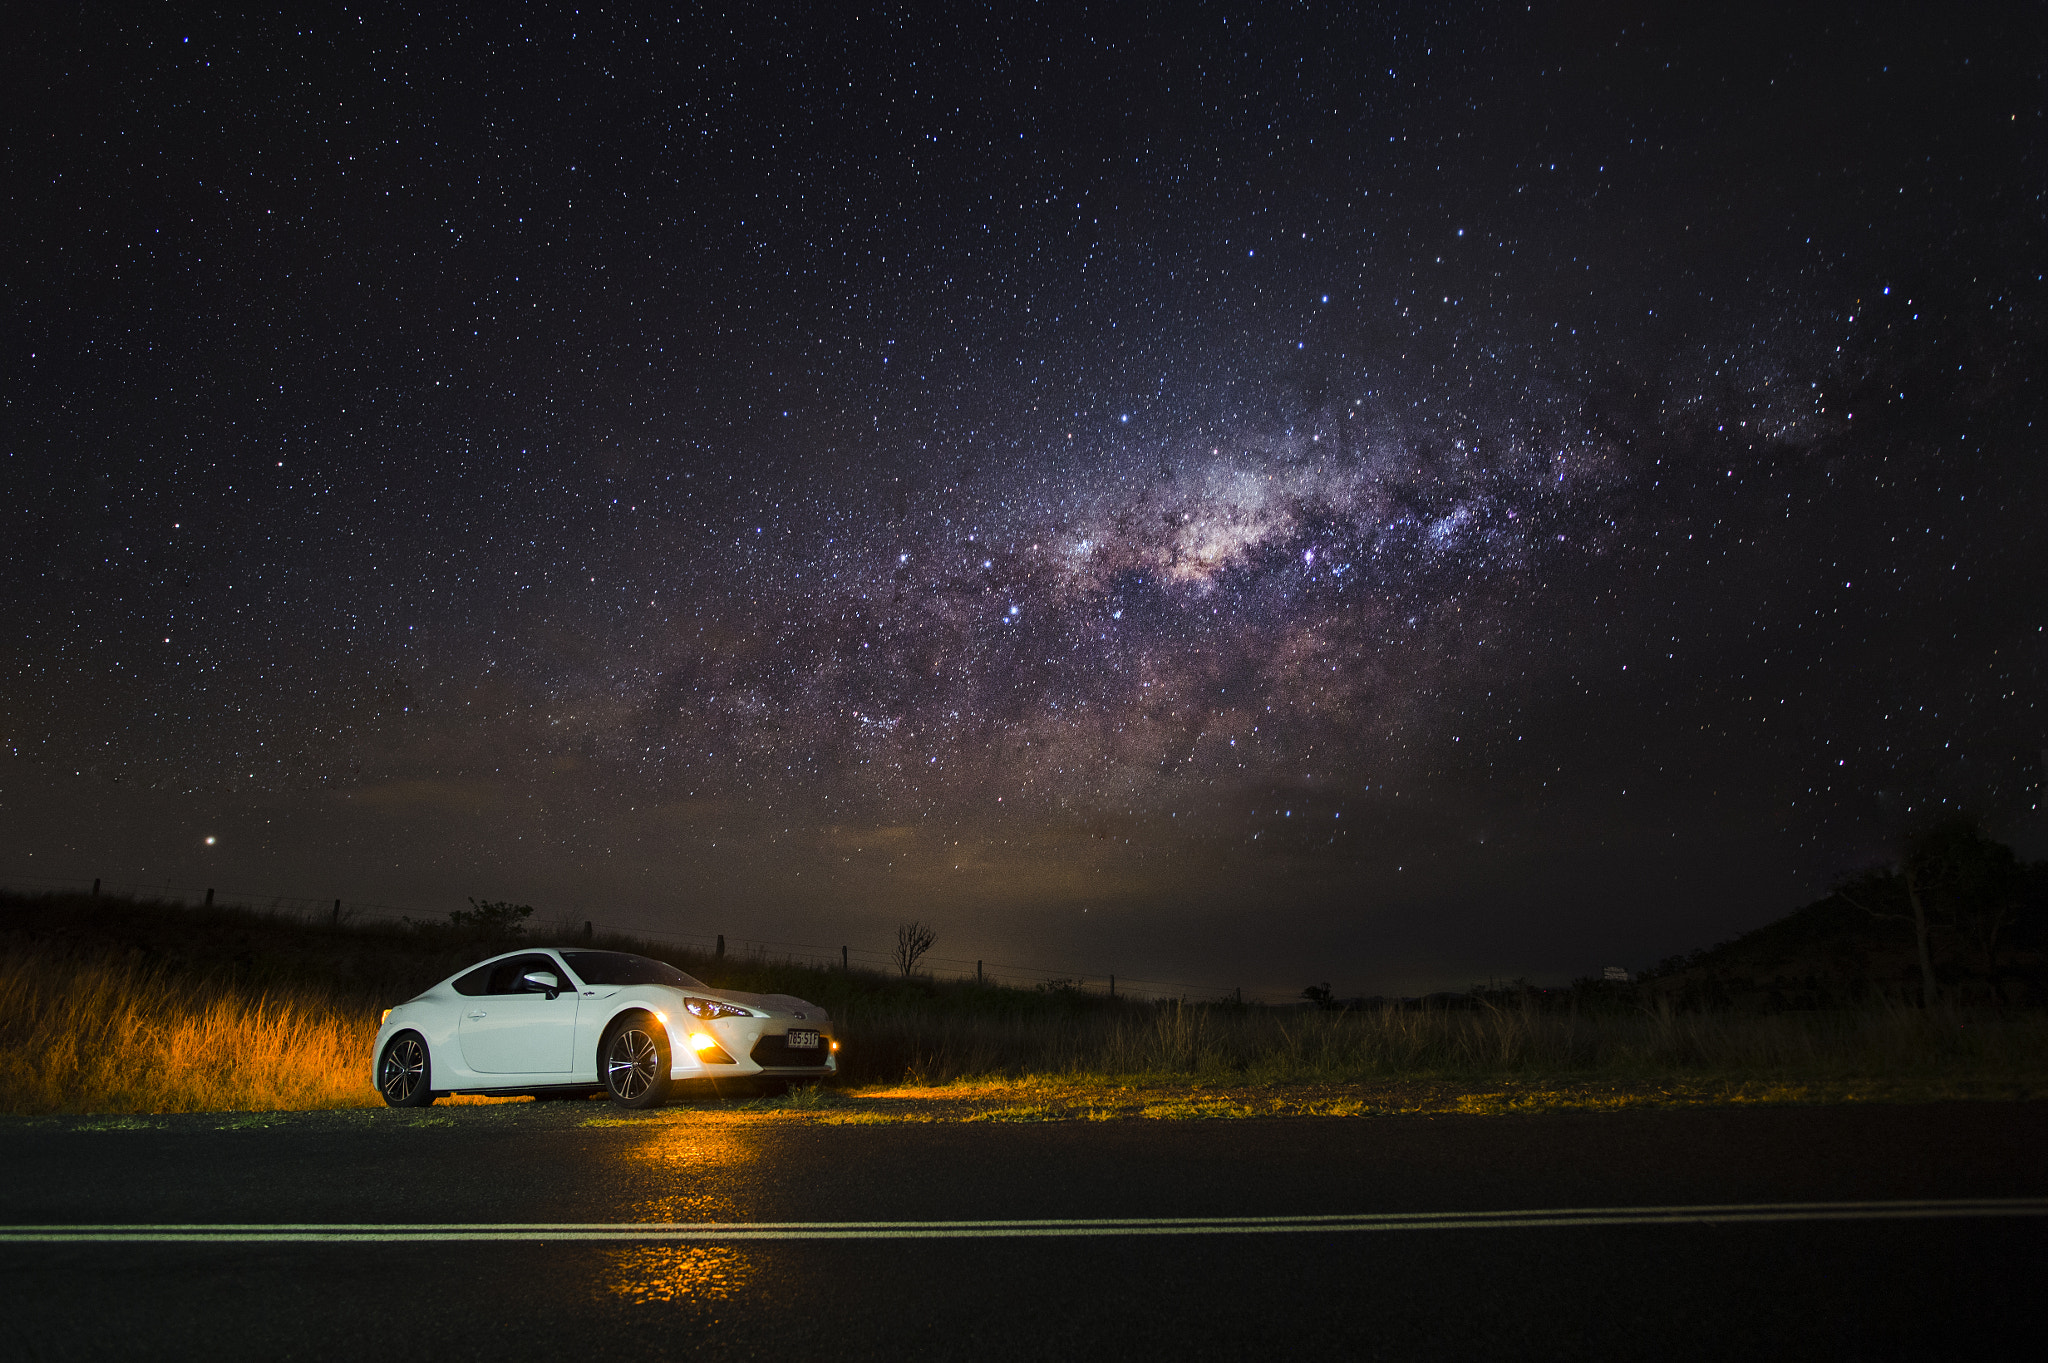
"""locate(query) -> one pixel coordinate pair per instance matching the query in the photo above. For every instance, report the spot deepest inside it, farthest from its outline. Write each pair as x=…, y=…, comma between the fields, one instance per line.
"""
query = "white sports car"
x=566, y=1021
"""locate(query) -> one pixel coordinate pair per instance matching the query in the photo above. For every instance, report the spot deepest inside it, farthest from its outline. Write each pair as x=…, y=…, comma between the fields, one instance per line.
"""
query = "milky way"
x=1220, y=498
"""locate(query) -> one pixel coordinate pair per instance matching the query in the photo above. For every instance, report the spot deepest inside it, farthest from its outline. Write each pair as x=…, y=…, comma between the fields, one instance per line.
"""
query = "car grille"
x=773, y=1052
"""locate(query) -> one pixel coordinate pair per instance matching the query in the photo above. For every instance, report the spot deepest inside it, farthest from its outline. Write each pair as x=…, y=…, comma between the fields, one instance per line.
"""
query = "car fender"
x=435, y=1019
x=595, y=1016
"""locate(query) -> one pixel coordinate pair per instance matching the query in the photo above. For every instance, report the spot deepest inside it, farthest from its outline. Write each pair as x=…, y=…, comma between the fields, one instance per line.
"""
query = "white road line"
x=381, y=1233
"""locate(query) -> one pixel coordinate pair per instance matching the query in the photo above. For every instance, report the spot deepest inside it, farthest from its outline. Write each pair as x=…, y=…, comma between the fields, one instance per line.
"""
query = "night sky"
x=1220, y=495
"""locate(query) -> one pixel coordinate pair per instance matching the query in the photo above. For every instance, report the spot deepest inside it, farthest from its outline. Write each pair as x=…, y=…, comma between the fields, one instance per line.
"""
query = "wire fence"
x=341, y=910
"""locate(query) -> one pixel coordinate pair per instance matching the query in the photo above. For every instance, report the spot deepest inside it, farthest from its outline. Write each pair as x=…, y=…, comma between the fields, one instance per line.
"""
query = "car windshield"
x=619, y=967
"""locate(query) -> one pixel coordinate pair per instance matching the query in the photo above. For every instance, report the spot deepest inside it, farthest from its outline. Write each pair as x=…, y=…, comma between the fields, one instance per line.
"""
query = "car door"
x=512, y=1028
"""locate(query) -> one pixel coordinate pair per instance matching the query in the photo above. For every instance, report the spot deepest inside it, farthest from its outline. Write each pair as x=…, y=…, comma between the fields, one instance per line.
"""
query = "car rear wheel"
x=405, y=1072
x=635, y=1062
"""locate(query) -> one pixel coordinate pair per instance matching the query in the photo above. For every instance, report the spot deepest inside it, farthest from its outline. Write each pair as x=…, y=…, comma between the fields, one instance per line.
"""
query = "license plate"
x=803, y=1041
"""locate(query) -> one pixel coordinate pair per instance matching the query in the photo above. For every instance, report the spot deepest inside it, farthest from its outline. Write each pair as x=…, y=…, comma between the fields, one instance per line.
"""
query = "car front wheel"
x=635, y=1061
x=404, y=1072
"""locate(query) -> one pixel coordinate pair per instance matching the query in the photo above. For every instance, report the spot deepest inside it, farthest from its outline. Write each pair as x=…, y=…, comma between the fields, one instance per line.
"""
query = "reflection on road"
x=651, y=1273
x=690, y=1173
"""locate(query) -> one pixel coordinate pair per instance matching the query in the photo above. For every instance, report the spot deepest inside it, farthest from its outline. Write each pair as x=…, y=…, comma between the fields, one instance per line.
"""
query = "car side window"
x=505, y=974
x=476, y=982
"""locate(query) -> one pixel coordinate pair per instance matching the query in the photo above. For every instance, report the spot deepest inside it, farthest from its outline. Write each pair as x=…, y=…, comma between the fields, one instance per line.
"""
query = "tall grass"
x=1264, y=1046
x=120, y=1036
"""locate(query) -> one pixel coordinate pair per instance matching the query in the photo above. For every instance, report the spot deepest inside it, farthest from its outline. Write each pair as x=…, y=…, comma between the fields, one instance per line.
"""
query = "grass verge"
x=1123, y=1098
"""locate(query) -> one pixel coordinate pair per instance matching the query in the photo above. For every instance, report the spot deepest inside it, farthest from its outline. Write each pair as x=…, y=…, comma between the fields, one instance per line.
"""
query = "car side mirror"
x=543, y=979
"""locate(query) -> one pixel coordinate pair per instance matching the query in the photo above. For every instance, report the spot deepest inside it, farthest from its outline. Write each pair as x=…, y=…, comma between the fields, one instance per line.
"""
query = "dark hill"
x=1832, y=953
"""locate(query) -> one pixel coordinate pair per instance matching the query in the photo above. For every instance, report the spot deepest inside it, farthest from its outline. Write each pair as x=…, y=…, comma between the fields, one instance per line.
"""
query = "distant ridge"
x=1832, y=953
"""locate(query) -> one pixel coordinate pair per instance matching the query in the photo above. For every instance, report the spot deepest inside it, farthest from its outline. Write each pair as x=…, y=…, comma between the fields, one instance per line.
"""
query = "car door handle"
x=479, y=1014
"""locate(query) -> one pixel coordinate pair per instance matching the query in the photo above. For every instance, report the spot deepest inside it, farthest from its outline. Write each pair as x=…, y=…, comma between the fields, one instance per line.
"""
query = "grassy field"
x=125, y=1007
x=115, y=1036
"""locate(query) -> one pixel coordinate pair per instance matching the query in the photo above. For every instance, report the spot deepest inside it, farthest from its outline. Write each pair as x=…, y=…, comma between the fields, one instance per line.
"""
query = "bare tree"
x=913, y=939
x=1953, y=870
x=1901, y=886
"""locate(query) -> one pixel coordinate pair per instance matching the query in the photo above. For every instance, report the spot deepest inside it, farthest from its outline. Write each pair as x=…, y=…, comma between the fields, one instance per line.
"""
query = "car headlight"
x=712, y=1008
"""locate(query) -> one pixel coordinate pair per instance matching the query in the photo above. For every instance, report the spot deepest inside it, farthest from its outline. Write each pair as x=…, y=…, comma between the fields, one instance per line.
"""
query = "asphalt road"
x=505, y=1277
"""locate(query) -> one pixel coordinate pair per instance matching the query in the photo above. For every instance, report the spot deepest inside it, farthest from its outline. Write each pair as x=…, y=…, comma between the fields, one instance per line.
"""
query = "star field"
x=1215, y=495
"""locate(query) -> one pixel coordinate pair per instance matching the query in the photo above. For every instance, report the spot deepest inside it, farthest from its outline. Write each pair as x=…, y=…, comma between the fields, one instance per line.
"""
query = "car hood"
x=777, y=1005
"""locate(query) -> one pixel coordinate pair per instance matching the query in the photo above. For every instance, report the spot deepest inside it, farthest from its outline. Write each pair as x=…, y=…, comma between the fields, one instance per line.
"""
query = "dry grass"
x=122, y=1037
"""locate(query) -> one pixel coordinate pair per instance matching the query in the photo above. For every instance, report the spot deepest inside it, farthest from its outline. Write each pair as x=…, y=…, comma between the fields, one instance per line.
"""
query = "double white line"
x=713, y=1231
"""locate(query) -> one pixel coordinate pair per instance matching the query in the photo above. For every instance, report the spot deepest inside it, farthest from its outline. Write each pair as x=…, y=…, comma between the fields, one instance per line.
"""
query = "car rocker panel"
x=497, y=1028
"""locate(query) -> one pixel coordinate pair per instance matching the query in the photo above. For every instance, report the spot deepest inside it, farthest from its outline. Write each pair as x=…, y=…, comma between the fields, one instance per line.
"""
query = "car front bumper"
x=755, y=1046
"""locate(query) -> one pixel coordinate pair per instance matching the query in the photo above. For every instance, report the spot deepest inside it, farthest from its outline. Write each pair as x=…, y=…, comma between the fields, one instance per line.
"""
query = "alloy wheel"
x=631, y=1063
x=405, y=1069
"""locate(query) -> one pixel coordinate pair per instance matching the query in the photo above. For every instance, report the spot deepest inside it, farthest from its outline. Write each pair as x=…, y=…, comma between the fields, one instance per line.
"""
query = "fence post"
x=1112, y=986
x=209, y=899
x=588, y=932
x=977, y=972
x=95, y=887
x=842, y=960
x=337, y=913
x=721, y=946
